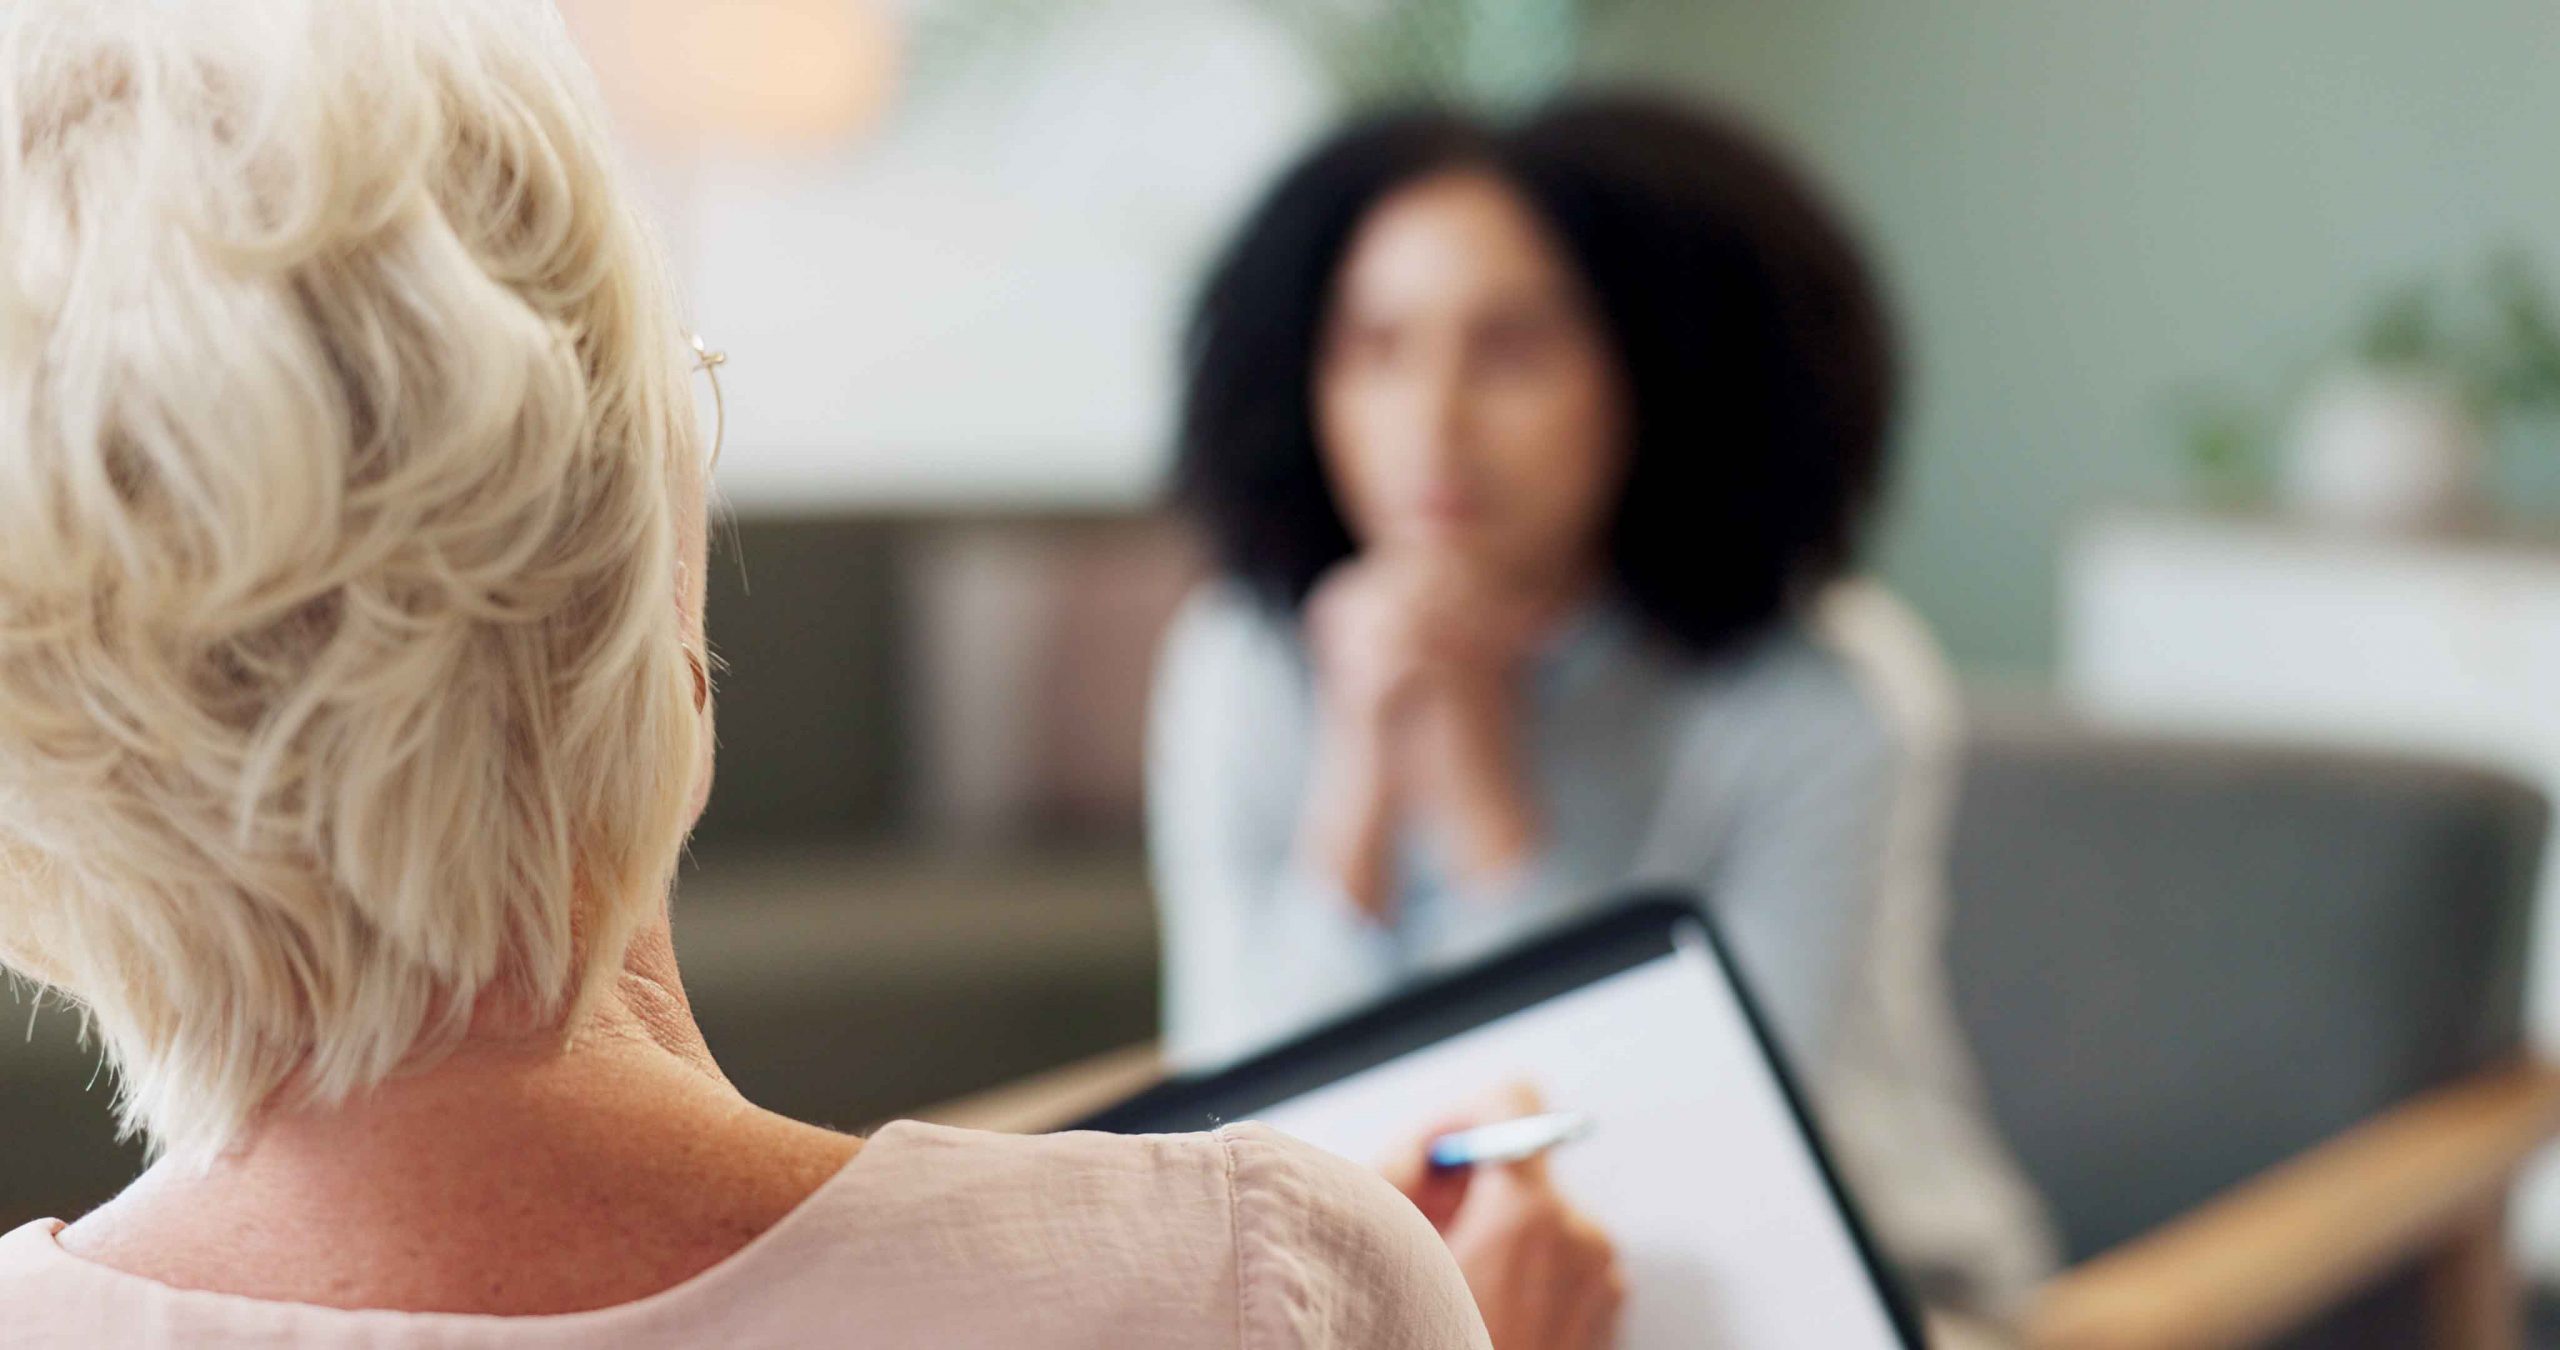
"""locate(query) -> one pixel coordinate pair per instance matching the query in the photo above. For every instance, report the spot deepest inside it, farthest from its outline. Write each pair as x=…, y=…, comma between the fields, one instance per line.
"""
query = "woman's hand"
x=1544, y=1276
x=1388, y=630
x=1417, y=659
x=1374, y=627
x=1367, y=667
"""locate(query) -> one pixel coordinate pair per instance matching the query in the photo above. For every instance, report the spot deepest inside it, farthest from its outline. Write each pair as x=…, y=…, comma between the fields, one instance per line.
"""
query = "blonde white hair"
x=343, y=417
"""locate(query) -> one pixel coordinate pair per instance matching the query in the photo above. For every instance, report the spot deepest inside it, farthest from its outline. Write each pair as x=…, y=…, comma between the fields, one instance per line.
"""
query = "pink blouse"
x=930, y=1237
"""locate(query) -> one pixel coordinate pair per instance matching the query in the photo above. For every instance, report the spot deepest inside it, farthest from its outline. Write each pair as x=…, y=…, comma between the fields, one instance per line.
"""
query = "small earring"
x=709, y=362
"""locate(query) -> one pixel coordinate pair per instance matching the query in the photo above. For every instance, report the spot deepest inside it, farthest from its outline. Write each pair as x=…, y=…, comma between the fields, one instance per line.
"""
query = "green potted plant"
x=2393, y=432
x=2395, y=436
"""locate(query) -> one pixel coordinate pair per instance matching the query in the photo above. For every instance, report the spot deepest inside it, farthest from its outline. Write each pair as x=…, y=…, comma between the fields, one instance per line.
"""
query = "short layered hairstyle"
x=343, y=413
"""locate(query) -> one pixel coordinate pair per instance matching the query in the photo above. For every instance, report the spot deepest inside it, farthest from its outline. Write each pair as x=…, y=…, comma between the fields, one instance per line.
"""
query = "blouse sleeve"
x=1778, y=807
x=1800, y=889
x=1330, y=1257
x=1812, y=811
x=1254, y=946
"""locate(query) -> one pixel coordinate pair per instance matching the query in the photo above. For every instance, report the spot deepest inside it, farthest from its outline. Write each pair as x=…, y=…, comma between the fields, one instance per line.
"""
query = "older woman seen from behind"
x=353, y=711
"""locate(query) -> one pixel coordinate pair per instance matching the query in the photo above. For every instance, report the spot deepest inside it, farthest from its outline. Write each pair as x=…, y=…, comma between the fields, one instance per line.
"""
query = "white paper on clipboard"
x=1696, y=1166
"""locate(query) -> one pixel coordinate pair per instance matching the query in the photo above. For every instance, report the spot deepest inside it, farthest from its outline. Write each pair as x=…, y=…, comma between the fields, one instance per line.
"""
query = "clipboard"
x=1705, y=1162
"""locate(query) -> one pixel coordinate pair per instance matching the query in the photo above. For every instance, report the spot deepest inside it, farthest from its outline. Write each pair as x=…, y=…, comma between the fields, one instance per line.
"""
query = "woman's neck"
x=515, y=1176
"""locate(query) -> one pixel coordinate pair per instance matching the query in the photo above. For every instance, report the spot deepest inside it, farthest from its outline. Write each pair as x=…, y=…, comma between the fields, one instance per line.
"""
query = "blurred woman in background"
x=1536, y=460
x=354, y=711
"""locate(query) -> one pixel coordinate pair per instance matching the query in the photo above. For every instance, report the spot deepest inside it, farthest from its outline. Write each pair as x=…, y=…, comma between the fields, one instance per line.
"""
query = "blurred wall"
x=973, y=304
x=2085, y=207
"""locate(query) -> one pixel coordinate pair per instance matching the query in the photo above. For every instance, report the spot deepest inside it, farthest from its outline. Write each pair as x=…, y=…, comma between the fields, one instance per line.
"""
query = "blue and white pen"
x=1508, y=1141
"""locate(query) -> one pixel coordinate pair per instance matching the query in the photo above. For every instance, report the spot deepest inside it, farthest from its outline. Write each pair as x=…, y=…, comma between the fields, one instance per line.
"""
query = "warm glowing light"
x=776, y=71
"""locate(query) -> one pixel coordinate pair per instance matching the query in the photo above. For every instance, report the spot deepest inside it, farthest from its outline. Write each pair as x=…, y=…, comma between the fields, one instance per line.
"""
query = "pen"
x=1508, y=1141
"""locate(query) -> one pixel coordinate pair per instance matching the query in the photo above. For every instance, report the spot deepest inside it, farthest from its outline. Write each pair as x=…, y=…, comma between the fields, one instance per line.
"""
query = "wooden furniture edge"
x=1045, y=1101
x=2420, y=1181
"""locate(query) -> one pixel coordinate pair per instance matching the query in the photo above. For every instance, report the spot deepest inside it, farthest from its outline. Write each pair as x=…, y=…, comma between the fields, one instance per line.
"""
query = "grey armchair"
x=2250, y=1017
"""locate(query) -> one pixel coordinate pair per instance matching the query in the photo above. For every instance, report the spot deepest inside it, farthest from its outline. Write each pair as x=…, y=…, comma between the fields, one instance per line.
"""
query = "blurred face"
x=1467, y=397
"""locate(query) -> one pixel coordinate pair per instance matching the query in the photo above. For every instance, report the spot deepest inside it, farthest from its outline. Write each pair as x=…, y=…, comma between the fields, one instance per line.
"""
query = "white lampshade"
x=769, y=71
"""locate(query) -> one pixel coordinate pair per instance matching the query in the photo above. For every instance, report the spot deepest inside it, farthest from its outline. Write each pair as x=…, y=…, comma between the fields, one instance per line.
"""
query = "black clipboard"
x=1639, y=929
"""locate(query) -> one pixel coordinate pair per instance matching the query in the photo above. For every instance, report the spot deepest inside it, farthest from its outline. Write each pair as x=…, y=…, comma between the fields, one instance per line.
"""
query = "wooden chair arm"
x=1046, y=1101
x=2276, y=1250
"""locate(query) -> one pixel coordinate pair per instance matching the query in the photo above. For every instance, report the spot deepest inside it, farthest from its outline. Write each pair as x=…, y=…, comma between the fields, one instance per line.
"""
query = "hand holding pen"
x=1544, y=1276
